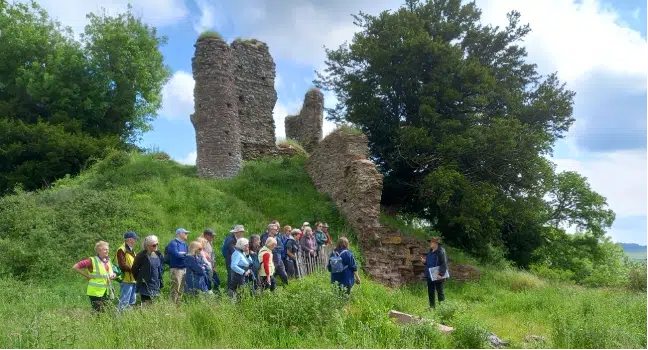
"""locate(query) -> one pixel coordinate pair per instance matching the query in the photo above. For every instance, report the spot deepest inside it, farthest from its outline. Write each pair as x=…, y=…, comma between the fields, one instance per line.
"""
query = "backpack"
x=167, y=256
x=335, y=261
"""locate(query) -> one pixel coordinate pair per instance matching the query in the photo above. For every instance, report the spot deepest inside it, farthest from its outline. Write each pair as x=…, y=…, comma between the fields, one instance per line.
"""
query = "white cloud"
x=189, y=159
x=619, y=176
x=155, y=12
x=177, y=96
x=207, y=19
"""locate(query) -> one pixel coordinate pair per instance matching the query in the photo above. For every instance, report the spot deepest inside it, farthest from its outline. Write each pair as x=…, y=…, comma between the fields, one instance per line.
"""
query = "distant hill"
x=635, y=251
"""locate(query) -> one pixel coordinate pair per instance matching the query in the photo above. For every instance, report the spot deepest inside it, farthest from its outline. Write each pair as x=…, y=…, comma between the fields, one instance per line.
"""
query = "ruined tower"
x=306, y=127
x=215, y=102
x=255, y=77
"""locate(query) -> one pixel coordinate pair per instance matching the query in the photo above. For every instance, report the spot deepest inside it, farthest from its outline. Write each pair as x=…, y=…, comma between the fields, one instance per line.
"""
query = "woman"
x=436, y=270
x=206, y=258
x=291, y=247
x=196, y=273
x=320, y=236
x=307, y=242
x=255, y=246
x=325, y=228
x=240, y=266
x=148, y=268
x=99, y=273
x=342, y=266
x=267, y=270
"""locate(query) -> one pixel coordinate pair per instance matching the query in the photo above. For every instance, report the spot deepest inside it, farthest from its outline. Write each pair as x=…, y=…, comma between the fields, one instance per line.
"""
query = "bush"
x=637, y=277
x=447, y=310
x=516, y=280
x=557, y=275
x=469, y=334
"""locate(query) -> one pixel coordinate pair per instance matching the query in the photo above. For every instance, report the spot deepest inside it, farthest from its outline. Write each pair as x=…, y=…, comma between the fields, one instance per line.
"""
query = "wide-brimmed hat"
x=238, y=228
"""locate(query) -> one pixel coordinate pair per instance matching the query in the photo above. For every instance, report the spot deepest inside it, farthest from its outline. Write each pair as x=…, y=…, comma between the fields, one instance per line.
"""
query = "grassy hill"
x=43, y=303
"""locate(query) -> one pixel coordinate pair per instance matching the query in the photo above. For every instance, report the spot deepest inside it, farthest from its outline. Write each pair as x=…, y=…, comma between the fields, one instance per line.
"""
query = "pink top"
x=87, y=264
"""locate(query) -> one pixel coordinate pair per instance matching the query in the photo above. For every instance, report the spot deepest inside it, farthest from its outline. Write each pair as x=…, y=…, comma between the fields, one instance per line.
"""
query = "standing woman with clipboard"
x=436, y=270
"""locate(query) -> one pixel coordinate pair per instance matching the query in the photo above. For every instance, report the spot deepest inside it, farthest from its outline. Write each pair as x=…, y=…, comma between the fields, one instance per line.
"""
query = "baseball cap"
x=209, y=231
x=238, y=228
x=130, y=234
x=181, y=230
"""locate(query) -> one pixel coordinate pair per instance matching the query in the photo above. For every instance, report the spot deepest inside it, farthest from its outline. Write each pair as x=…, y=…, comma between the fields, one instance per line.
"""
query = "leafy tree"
x=106, y=86
x=457, y=120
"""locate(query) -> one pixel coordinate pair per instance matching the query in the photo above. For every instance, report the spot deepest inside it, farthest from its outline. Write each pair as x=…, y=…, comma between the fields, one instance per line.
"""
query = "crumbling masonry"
x=339, y=167
x=215, y=118
x=255, y=78
x=306, y=127
x=234, y=97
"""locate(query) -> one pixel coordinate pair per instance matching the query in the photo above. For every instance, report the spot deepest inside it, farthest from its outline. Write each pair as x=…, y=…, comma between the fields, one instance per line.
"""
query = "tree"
x=457, y=120
x=101, y=88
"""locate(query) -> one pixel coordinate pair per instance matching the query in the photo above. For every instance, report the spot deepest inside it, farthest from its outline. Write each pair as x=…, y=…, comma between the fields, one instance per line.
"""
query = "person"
x=214, y=279
x=435, y=258
x=205, y=260
x=291, y=250
x=255, y=246
x=148, y=269
x=277, y=252
x=298, y=235
x=125, y=259
x=307, y=242
x=267, y=269
x=325, y=229
x=304, y=225
x=196, y=277
x=342, y=266
x=99, y=273
x=228, y=248
x=320, y=236
x=177, y=252
x=240, y=267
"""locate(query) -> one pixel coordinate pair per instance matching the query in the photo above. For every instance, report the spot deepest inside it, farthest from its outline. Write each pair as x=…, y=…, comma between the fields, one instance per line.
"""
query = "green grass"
x=210, y=34
x=43, y=304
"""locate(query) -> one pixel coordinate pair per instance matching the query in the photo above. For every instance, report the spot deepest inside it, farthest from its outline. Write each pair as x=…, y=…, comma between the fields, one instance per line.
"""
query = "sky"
x=597, y=47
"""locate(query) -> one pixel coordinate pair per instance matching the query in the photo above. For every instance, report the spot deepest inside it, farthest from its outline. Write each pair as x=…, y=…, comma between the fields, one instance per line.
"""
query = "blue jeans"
x=126, y=295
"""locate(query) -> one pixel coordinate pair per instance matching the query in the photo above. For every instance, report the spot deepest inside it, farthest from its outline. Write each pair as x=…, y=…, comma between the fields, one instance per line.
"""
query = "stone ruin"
x=306, y=127
x=340, y=168
x=215, y=118
x=255, y=78
x=234, y=97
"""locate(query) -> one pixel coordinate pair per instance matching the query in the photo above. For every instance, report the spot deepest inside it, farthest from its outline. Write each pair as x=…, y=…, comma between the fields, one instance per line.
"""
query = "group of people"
x=250, y=263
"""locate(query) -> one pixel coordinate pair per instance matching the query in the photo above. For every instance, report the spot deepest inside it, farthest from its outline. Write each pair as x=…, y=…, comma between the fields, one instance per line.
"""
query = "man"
x=291, y=248
x=277, y=252
x=125, y=259
x=228, y=249
x=177, y=251
x=208, y=235
x=265, y=235
x=436, y=260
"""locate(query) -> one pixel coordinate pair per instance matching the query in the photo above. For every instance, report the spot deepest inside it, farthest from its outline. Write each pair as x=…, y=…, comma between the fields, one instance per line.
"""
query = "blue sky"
x=597, y=47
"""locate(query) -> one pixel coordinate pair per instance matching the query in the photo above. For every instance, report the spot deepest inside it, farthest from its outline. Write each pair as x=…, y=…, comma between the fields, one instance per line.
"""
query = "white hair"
x=270, y=241
x=148, y=240
x=242, y=242
x=272, y=226
x=308, y=229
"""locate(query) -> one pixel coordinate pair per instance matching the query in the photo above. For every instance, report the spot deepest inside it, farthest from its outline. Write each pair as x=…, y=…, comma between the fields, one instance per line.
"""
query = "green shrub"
x=516, y=280
x=557, y=275
x=210, y=34
x=469, y=334
x=637, y=277
x=447, y=311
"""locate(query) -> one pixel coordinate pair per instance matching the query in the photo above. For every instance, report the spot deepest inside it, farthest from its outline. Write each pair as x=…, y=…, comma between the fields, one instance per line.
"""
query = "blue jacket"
x=240, y=263
x=434, y=259
x=196, y=277
x=345, y=277
x=177, y=251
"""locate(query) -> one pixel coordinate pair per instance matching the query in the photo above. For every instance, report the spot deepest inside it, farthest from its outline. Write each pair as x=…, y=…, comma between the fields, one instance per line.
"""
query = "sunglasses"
x=154, y=245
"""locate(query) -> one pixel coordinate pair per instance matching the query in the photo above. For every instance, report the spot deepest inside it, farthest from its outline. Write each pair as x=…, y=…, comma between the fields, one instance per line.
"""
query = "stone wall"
x=215, y=118
x=306, y=127
x=339, y=167
x=255, y=78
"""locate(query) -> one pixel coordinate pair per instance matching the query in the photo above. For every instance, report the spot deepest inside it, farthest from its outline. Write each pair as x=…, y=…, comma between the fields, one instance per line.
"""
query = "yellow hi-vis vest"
x=99, y=283
x=130, y=259
x=263, y=252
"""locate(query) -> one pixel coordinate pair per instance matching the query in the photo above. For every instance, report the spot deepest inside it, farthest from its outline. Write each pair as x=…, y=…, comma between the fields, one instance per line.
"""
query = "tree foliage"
x=461, y=125
x=103, y=87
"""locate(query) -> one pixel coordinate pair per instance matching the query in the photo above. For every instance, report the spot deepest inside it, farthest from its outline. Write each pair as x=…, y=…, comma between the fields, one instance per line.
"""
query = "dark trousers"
x=290, y=268
x=229, y=274
x=435, y=286
x=146, y=299
x=98, y=303
x=265, y=285
x=280, y=270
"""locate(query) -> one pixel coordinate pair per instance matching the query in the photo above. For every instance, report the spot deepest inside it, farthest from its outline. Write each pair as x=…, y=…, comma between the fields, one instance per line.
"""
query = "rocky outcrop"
x=306, y=127
x=215, y=118
x=255, y=78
